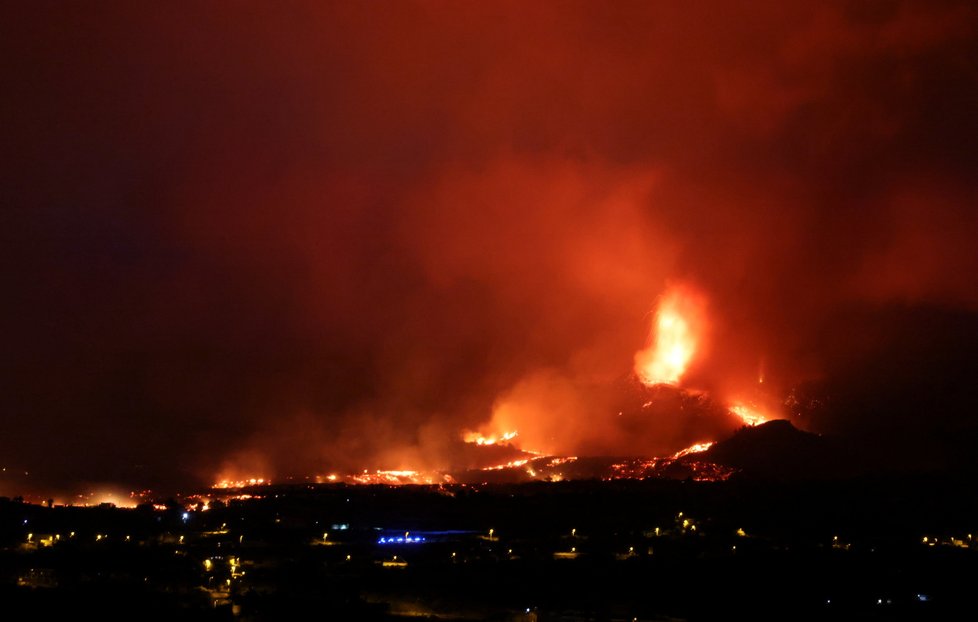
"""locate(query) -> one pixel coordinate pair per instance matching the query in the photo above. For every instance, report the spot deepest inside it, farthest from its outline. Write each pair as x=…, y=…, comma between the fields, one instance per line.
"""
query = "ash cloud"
x=328, y=236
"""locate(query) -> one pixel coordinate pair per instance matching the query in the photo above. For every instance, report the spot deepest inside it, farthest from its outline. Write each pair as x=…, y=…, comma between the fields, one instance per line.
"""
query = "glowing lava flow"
x=242, y=483
x=479, y=439
x=692, y=449
x=750, y=416
x=398, y=477
x=674, y=339
x=509, y=465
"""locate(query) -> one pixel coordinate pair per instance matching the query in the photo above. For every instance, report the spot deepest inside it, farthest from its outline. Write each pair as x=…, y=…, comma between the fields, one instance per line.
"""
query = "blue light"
x=401, y=540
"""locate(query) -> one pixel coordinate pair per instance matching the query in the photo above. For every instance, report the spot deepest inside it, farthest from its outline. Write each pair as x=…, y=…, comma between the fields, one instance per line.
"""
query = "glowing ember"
x=693, y=449
x=670, y=468
x=674, y=339
x=559, y=461
x=399, y=477
x=508, y=465
x=479, y=439
x=749, y=415
x=241, y=483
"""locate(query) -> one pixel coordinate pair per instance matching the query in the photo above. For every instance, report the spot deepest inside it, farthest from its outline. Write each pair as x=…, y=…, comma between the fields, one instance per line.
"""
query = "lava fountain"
x=676, y=335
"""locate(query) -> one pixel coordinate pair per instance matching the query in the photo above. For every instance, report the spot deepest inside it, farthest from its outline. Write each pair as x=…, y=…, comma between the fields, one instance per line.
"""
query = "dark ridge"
x=777, y=450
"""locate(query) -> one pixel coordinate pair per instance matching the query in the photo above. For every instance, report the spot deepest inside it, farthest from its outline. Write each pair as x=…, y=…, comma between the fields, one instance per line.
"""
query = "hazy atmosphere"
x=264, y=239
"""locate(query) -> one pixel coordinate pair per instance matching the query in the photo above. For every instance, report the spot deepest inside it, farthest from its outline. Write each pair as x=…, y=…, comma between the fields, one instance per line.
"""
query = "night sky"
x=293, y=237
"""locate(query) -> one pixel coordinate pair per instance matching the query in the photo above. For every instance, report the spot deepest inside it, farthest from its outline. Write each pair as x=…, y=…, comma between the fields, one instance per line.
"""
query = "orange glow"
x=116, y=498
x=241, y=483
x=508, y=465
x=692, y=449
x=479, y=439
x=399, y=477
x=674, y=340
x=659, y=467
x=559, y=461
x=750, y=415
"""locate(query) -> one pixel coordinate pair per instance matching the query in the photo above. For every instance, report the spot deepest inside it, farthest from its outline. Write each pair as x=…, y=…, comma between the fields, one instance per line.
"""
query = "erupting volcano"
x=503, y=310
x=326, y=239
x=536, y=426
x=650, y=423
x=675, y=340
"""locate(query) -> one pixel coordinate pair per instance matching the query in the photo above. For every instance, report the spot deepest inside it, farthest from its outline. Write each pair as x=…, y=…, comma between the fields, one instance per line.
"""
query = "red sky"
x=317, y=235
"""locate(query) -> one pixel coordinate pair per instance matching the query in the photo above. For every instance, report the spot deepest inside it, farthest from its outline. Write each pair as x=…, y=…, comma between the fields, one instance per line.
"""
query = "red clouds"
x=274, y=229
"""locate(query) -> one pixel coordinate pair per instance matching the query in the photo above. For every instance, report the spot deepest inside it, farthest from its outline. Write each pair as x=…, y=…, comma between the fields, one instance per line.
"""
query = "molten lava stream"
x=749, y=415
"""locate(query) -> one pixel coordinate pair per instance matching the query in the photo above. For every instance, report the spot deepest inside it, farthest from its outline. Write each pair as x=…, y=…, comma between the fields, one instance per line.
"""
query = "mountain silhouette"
x=778, y=450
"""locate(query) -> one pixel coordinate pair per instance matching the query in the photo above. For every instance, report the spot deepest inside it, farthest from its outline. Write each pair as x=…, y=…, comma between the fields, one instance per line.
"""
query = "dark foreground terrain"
x=876, y=549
